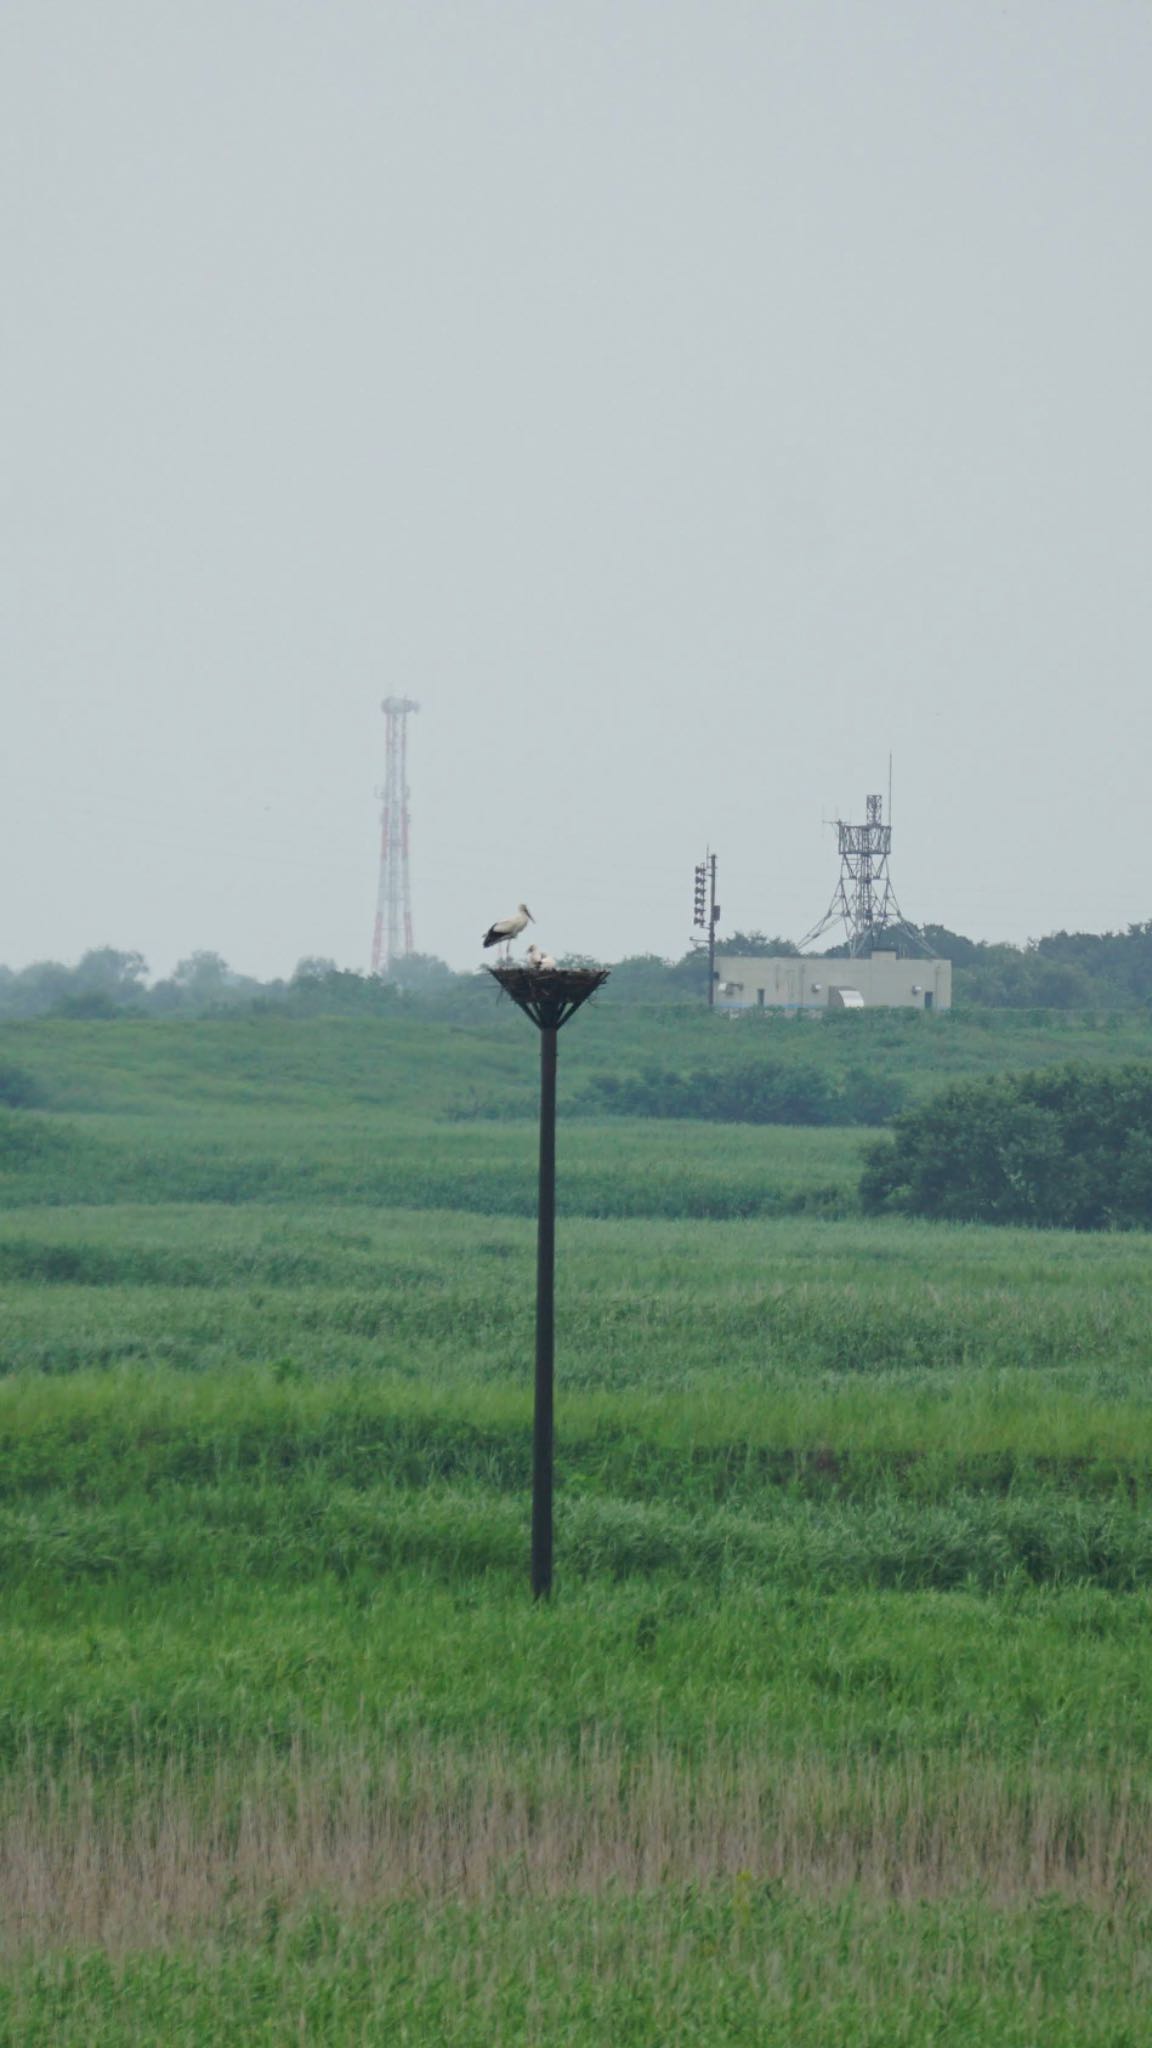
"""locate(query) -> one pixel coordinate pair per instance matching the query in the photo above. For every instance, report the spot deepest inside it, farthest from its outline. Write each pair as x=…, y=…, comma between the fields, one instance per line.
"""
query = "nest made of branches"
x=549, y=995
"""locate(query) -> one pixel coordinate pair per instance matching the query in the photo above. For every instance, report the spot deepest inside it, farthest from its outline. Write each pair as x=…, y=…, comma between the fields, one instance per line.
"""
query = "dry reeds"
x=158, y=1855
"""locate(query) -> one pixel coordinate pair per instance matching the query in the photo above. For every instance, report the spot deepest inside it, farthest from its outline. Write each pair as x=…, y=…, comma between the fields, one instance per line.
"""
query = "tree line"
x=1064, y=971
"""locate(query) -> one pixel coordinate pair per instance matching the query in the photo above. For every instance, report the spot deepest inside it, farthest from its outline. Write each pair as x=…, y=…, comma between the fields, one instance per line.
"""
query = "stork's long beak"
x=528, y=915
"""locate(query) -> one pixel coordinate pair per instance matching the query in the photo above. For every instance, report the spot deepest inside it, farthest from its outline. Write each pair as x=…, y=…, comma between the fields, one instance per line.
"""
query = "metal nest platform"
x=549, y=995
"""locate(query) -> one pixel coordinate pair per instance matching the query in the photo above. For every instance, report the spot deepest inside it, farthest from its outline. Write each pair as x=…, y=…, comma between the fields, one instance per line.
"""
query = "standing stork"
x=506, y=929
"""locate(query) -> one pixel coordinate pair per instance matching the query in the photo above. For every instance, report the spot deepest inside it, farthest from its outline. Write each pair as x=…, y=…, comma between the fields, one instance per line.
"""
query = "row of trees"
x=1065, y=971
x=111, y=983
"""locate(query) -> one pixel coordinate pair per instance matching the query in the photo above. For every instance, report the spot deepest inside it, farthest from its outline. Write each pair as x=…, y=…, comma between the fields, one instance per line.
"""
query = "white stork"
x=538, y=960
x=506, y=929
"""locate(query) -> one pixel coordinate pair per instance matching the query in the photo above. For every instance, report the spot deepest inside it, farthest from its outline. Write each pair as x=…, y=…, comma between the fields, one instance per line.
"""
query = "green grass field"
x=839, y=1728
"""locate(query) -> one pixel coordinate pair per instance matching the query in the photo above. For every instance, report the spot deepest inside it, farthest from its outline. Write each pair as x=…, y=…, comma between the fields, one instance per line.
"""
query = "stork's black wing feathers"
x=492, y=937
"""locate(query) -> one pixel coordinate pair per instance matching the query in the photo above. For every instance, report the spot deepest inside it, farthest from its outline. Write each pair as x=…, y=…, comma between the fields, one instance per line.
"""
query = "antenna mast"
x=865, y=901
x=392, y=934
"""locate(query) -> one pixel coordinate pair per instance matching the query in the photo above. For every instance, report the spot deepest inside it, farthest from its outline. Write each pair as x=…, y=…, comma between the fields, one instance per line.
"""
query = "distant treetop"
x=1064, y=971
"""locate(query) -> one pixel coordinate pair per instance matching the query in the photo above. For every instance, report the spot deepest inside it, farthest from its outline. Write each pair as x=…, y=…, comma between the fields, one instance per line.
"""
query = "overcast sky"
x=687, y=401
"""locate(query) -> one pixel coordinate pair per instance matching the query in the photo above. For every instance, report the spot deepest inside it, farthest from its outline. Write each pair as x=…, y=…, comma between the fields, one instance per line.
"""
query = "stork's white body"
x=506, y=929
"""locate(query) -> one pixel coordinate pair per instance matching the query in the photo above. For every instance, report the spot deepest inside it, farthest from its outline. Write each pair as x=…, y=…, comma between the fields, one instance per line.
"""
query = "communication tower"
x=865, y=901
x=392, y=934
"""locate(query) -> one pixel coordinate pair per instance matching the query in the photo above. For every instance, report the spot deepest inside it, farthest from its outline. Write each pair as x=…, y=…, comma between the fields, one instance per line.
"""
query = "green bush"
x=1068, y=1148
x=764, y=1092
x=28, y=1141
x=18, y=1090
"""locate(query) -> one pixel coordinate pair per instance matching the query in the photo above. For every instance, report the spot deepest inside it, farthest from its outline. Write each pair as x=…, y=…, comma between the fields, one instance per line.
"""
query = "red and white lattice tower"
x=392, y=936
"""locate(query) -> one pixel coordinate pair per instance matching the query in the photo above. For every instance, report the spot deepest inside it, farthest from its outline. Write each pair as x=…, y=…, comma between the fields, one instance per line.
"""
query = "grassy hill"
x=428, y=1113
x=483, y=1062
x=839, y=1717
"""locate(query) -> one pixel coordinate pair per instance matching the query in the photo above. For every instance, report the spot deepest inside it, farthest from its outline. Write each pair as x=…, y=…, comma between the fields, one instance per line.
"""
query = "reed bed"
x=157, y=1857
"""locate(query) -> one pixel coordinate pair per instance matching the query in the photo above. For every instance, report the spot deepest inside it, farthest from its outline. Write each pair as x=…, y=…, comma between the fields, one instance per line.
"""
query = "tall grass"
x=662, y=1305
x=159, y=1857
x=739, y=1963
x=433, y=1067
x=278, y=1110
x=838, y=1727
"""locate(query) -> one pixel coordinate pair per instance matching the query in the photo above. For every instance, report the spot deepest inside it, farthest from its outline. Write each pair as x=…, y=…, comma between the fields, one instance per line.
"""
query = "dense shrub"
x=25, y=1140
x=18, y=1090
x=763, y=1092
x=1069, y=1147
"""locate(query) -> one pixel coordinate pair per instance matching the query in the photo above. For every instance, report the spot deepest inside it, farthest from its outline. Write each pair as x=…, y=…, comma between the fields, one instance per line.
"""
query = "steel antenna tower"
x=865, y=901
x=392, y=934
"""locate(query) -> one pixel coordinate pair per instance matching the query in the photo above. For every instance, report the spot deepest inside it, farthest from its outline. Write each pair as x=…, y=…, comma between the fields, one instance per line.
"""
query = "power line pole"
x=706, y=912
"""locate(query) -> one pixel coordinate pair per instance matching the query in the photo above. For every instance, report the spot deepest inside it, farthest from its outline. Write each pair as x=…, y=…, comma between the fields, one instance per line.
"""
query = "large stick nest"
x=549, y=995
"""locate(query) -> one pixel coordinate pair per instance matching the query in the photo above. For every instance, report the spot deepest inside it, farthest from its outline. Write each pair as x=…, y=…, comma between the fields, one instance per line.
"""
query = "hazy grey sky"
x=686, y=400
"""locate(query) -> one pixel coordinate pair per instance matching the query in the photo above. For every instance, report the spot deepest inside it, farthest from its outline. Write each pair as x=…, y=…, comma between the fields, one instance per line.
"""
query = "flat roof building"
x=800, y=981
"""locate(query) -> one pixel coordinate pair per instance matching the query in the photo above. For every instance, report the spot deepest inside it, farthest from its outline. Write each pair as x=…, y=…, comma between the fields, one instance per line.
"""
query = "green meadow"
x=838, y=1729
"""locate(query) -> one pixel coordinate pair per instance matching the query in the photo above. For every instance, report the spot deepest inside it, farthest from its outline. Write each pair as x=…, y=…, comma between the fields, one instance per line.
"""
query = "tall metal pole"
x=713, y=914
x=549, y=996
x=542, y=1419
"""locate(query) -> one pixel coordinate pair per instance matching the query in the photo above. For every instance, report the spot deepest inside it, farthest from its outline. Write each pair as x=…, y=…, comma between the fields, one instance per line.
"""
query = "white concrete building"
x=783, y=981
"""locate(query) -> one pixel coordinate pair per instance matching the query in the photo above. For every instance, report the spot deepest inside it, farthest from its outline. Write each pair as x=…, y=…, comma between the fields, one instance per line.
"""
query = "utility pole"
x=549, y=996
x=706, y=912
